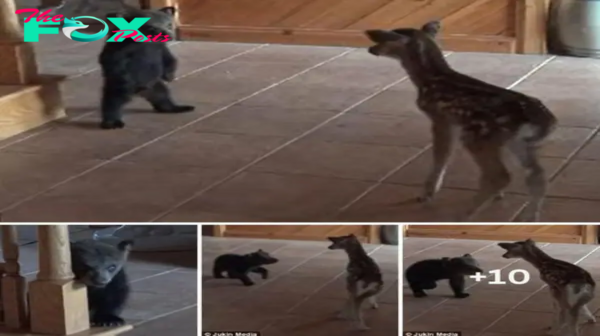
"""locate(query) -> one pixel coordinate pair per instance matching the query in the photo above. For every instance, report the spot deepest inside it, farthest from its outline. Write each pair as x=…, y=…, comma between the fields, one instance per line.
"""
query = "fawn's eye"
x=111, y=268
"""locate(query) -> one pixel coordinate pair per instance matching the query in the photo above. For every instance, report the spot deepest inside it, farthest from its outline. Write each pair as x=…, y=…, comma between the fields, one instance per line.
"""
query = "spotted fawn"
x=363, y=280
x=571, y=286
x=486, y=118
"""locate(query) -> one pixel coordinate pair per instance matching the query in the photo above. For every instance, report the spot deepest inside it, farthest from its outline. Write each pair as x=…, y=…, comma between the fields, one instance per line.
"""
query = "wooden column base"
x=15, y=312
x=58, y=307
x=109, y=331
x=23, y=107
x=18, y=63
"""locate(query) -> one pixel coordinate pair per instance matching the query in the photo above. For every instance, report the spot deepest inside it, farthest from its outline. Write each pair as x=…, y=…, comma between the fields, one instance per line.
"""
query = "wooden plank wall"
x=578, y=234
x=468, y=25
x=366, y=233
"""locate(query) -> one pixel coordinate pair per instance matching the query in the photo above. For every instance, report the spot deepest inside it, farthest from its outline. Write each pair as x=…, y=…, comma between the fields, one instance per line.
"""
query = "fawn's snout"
x=374, y=50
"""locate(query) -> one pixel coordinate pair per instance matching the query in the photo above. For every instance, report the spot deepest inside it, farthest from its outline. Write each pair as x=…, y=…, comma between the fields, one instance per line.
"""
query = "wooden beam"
x=149, y=4
x=18, y=64
x=219, y=230
x=589, y=234
x=373, y=234
x=27, y=99
x=343, y=38
x=498, y=236
x=531, y=26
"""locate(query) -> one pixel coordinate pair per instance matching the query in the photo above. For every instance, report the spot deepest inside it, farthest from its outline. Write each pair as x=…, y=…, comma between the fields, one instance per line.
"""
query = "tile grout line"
x=229, y=250
x=275, y=150
x=385, y=176
x=380, y=181
x=414, y=157
x=472, y=285
x=425, y=249
x=309, y=296
x=153, y=318
x=167, y=134
x=223, y=60
x=561, y=168
x=83, y=115
x=511, y=309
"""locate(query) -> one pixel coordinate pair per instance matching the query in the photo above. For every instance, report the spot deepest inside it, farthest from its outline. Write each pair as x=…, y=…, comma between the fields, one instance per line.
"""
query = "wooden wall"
x=366, y=233
x=581, y=234
x=468, y=25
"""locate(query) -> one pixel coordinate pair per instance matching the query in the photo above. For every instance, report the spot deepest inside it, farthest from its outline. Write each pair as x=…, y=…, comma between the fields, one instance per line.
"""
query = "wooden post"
x=531, y=26
x=13, y=284
x=589, y=234
x=18, y=64
x=373, y=234
x=156, y=4
x=58, y=305
x=219, y=230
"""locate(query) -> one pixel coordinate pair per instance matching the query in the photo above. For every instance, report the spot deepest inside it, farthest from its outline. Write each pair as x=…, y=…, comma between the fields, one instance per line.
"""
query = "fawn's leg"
x=348, y=309
x=494, y=176
x=536, y=183
x=373, y=302
x=444, y=141
x=587, y=314
x=557, y=321
x=573, y=319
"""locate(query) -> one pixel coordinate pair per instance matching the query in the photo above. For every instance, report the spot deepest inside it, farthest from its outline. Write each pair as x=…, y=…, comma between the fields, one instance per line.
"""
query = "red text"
x=138, y=38
x=42, y=17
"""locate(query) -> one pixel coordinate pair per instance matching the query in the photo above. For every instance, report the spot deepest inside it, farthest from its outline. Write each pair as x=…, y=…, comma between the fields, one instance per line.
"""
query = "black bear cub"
x=238, y=266
x=424, y=274
x=100, y=266
x=133, y=68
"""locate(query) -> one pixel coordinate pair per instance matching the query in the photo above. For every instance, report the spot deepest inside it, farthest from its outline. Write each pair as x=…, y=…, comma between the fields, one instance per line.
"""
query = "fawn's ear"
x=529, y=241
x=432, y=28
x=467, y=255
x=383, y=36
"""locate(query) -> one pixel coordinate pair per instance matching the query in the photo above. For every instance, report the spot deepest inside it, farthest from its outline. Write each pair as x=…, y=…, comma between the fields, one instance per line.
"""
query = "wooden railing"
x=13, y=285
x=52, y=304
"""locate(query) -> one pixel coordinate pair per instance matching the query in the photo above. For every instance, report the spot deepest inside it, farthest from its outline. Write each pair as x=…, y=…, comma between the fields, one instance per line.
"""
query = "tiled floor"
x=164, y=289
x=334, y=127
x=302, y=295
x=491, y=310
